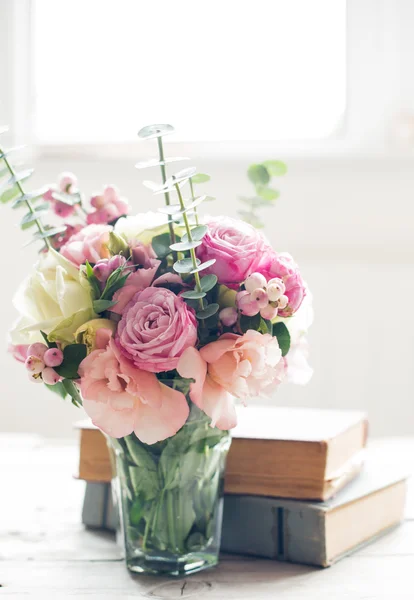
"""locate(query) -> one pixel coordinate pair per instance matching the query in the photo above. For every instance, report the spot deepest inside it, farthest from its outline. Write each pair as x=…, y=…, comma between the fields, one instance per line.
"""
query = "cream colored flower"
x=55, y=298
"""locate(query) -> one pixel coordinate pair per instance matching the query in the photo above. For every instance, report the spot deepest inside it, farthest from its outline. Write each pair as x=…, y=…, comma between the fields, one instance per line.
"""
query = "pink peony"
x=155, y=329
x=121, y=399
x=109, y=206
x=232, y=367
x=89, y=244
x=237, y=248
x=284, y=267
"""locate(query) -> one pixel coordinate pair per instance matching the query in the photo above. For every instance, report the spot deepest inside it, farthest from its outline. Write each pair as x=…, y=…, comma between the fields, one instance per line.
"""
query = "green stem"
x=171, y=519
x=192, y=198
x=190, y=239
x=164, y=179
x=22, y=192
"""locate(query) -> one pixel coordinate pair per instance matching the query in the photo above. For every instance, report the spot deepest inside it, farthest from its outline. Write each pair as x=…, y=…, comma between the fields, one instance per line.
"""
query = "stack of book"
x=302, y=491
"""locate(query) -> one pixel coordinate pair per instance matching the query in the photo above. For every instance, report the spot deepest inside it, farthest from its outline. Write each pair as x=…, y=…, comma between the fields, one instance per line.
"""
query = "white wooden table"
x=45, y=552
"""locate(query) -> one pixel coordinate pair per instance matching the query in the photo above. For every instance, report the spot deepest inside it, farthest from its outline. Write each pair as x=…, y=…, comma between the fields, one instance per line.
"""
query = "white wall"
x=349, y=224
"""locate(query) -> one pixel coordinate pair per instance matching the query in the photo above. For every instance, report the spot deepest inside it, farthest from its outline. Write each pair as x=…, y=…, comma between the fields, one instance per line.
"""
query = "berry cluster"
x=259, y=295
x=40, y=362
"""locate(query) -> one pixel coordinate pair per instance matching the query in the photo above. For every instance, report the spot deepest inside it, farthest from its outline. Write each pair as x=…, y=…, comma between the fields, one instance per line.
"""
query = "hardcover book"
x=314, y=533
x=297, y=453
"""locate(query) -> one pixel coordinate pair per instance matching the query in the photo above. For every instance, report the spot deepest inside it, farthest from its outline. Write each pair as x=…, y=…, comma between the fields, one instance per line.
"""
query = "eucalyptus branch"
x=24, y=196
x=190, y=239
x=164, y=179
x=192, y=198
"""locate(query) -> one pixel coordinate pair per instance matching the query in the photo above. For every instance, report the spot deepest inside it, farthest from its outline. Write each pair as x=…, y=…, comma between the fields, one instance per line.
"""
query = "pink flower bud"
x=254, y=281
x=245, y=305
x=269, y=312
x=34, y=365
x=63, y=210
x=50, y=376
x=228, y=316
x=283, y=302
x=101, y=270
x=67, y=181
x=116, y=261
x=53, y=357
x=38, y=349
x=98, y=201
x=260, y=296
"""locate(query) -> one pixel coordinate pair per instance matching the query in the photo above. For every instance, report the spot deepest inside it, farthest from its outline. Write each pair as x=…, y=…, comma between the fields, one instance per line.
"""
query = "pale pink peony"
x=232, y=367
x=89, y=244
x=284, y=267
x=237, y=248
x=155, y=329
x=109, y=206
x=121, y=399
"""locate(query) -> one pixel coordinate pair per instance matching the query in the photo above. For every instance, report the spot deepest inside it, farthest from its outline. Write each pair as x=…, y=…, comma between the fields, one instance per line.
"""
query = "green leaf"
x=208, y=282
x=275, y=167
x=281, y=332
x=193, y=295
x=250, y=322
x=73, y=355
x=209, y=311
x=151, y=131
x=141, y=457
x=69, y=199
x=267, y=193
x=258, y=174
x=265, y=326
x=9, y=194
x=102, y=305
x=58, y=389
x=49, y=344
x=197, y=233
x=200, y=178
x=136, y=512
x=93, y=280
x=183, y=246
x=184, y=266
x=118, y=245
x=203, y=266
x=161, y=245
x=29, y=218
x=73, y=392
x=144, y=481
x=114, y=282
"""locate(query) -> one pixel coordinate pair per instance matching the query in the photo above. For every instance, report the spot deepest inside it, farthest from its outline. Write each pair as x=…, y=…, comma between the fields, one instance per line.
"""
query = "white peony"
x=55, y=299
x=141, y=227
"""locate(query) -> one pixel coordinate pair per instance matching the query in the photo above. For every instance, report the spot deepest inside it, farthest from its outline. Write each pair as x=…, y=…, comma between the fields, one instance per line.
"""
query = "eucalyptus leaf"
x=30, y=196
x=268, y=194
x=281, y=332
x=258, y=174
x=193, y=295
x=20, y=176
x=208, y=282
x=155, y=162
x=161, y=245
x=151, y=185
x=41, y=235
x=11, y=150
x=183, y=246
x=197, y=233
x=157, y=130
x=209, y=311
x=69, y=199
x=9, y=194
x=275, y=167
x=203, y=266
x=184, y=266
x=30, y=217
x=200, y=178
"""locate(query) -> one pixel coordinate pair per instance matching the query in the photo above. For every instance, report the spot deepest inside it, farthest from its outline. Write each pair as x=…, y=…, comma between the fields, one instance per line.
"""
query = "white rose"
x=55, y=299
x=141, y=227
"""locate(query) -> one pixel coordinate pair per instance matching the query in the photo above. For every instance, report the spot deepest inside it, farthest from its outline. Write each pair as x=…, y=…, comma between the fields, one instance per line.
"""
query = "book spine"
x=256, y=526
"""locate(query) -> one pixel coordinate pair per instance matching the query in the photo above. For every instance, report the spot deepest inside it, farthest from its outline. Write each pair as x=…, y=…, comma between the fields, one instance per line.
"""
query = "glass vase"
x=170, y=496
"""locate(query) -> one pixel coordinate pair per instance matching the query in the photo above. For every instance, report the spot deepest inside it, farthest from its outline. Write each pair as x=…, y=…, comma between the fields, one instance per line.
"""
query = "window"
x=218, y=70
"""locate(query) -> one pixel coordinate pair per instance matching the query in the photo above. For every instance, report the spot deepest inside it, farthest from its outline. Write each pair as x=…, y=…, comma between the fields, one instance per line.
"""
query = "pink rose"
x=232, y=367
x=284, y=267
x=89, y=244
x=109, y=206
x=237, y=248
x=121, y=399
x=155, y=329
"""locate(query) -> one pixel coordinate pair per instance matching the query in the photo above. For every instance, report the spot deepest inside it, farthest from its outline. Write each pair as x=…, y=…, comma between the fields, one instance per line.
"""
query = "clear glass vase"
x=170, y=497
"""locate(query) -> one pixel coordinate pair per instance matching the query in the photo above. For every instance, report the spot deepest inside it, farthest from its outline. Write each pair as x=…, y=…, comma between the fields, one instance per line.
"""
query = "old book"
x=285, y=452
x=314, y=533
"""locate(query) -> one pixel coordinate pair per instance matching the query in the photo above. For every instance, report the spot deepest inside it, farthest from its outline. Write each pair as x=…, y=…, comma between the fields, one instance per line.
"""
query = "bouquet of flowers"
x=158, y=323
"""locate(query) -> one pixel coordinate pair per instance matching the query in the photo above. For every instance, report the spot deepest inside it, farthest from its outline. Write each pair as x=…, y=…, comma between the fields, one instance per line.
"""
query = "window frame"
x=375, y=53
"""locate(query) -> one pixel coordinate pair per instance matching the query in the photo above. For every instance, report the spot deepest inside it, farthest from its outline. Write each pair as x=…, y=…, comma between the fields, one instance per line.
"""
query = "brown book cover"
x=298, y=453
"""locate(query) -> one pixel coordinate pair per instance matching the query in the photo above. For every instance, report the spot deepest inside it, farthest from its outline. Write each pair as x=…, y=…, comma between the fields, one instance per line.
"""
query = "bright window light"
x=218, y=70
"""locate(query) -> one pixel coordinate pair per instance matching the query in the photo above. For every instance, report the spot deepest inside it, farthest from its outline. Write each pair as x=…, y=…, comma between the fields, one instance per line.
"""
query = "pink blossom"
x=89, y=244
x=232, y=367
x=121, y=399
x=284, y=267
x=109, y=206
x=237, y=248
x=61, y=239
x=19, y=352
x=155, y=329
